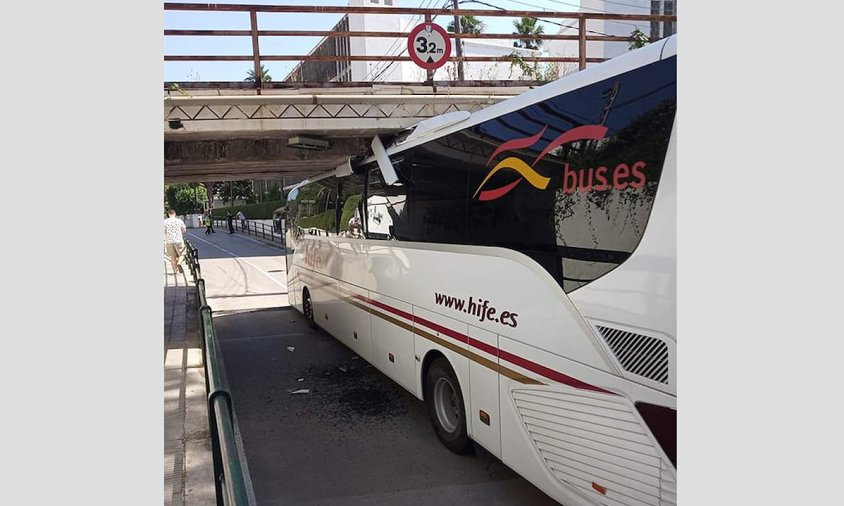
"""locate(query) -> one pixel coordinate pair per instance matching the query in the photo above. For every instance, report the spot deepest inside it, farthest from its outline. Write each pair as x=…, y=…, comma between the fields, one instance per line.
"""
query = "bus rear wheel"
x=444, y=400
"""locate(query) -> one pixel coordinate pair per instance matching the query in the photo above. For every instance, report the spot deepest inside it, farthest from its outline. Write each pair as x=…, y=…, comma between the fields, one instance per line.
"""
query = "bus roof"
x=651, y=53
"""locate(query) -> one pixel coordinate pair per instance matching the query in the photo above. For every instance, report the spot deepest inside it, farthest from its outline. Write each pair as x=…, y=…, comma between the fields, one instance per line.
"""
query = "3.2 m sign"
x=429, y=46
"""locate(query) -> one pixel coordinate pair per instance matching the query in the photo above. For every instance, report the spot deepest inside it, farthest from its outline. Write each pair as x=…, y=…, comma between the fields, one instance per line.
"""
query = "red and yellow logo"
x=527, y=172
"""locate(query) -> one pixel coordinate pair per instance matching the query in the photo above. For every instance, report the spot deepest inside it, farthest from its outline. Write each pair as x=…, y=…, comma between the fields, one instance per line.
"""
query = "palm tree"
x=528, y=26
x=265, y=75
x=468, y=24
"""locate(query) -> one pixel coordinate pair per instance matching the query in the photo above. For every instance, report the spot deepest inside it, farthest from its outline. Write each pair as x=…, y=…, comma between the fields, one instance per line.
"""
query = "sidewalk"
x=188, y=463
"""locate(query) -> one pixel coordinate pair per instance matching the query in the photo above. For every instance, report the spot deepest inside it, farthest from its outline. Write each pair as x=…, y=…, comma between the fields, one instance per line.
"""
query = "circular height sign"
x=429, y=46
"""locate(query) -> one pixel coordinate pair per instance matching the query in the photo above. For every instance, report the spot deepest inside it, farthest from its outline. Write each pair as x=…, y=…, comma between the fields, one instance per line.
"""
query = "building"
x=600, y=49
x=409, y=72
x=398, y=71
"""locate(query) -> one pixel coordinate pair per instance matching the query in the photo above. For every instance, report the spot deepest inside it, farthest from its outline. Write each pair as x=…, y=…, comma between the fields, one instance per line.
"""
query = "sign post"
x=429, y=45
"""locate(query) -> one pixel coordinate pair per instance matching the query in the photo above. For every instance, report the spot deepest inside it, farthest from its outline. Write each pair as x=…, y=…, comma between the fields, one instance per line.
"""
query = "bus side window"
x=317, y=202
x=385, y=206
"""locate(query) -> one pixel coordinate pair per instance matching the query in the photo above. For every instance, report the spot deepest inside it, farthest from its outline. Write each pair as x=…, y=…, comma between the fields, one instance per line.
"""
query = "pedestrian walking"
x=209, y=224
x=174, y=241
x=242, y=218
x=230, y=220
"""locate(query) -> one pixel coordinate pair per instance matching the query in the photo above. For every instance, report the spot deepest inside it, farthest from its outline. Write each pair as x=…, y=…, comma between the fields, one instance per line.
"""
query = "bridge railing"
x=229, y=478
x=257, y=229
x=342, y=32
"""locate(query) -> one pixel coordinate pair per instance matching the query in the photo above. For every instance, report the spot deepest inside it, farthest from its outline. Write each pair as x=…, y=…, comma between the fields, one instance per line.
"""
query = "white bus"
x=515, y=270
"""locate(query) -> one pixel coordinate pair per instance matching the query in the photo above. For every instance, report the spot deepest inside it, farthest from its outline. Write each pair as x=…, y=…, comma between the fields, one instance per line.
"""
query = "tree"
x=265, y=75
x=185, y=198
x=468, y=24
x=237, y=190
x=637, y=39
x=529, y=27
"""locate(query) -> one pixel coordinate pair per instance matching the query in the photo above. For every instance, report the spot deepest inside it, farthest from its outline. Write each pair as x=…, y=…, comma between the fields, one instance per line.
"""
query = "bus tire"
x=308, y=308
x=446, y=408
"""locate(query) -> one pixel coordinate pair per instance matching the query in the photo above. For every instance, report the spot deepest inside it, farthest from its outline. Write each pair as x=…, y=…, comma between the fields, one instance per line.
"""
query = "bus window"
x=385, y=208
x=350, y=191
x=568, y=181
x=316, y=209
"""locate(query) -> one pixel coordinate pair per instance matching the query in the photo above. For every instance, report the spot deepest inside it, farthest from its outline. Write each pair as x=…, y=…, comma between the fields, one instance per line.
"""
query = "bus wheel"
x=444, y=400
x=308, y=308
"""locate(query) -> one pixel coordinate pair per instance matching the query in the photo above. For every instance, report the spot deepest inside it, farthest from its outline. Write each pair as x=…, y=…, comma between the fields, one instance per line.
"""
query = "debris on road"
x=343, y=368
x=301, y=391
x=301, y=379
x=291, y=348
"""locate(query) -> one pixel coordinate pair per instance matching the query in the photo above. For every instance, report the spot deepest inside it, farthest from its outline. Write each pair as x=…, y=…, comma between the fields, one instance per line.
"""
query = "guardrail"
x=229, y=480
x=266, y=232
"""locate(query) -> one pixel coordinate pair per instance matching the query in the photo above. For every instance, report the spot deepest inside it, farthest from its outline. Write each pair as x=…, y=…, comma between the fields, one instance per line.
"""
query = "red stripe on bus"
x=522, y=143
x=385, y=307
x=549, y=373
x=492, y=350
x=498, y=192
x=439, y=328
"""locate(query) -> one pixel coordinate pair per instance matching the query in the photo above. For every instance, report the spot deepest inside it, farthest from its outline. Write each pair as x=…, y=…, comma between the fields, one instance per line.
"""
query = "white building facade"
x=601, y=49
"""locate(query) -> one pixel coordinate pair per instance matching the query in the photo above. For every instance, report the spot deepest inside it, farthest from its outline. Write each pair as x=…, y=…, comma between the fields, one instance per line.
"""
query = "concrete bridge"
x=217, y=135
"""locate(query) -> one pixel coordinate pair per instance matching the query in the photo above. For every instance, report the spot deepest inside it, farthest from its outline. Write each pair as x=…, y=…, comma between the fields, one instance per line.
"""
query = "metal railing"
x=229, y=479
x=256, y=229
x=578, y=23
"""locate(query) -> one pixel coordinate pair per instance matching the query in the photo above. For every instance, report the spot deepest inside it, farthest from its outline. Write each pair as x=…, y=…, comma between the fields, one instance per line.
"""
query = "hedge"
x=262, y=211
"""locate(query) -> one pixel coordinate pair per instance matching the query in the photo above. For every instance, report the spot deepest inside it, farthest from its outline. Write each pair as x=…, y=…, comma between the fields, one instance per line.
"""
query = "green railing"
x=229, y=479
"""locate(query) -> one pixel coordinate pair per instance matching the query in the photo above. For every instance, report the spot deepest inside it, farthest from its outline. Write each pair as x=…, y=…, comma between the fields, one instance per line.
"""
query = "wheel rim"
x=308, y=310
x=446, y=404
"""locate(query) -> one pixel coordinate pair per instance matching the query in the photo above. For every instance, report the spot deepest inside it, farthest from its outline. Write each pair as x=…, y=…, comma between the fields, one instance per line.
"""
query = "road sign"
x=429, y=46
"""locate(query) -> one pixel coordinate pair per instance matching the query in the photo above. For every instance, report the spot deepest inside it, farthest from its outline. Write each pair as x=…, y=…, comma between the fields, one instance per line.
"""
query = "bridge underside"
x=214, y=137
x=254, y=158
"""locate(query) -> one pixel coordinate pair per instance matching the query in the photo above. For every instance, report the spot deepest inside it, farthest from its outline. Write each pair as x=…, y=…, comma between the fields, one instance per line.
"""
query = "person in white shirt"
x=174, y=241
x=242, y=218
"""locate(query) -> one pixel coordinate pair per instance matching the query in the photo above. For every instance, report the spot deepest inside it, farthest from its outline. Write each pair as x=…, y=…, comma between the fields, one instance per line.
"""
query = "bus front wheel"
x=308, y=308
x=446, y=408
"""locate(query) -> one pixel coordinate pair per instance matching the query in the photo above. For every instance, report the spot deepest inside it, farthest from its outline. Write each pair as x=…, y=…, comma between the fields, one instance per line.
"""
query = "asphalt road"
x=240, y=273
x=355, y=437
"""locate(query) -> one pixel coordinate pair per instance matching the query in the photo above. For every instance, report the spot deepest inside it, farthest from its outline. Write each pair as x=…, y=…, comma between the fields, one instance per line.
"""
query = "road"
x=241, y=273
x=355, y=437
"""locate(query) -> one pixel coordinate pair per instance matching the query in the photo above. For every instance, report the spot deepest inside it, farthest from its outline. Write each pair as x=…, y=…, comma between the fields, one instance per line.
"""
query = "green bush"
x=262, y=211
